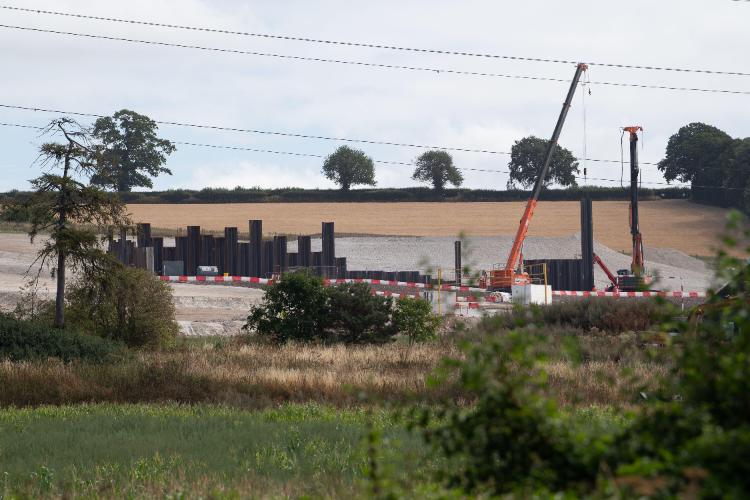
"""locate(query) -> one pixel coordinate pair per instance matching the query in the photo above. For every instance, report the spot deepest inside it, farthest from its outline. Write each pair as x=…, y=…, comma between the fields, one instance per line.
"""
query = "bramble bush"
x=24, y=340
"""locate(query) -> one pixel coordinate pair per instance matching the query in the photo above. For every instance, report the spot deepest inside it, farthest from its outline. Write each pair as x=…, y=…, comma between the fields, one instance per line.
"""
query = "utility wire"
x=291, y=153
x=368, y=45
x=296, y=135
x=368, y=64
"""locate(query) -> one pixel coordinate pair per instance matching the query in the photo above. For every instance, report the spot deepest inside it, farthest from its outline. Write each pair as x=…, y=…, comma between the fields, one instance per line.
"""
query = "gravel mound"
x=677, y=270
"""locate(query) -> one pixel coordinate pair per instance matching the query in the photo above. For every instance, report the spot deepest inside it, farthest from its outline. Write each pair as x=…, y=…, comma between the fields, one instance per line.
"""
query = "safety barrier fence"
x=428, y=287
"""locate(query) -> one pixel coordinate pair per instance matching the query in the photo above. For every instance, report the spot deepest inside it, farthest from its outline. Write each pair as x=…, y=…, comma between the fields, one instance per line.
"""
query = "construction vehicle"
x=635, y=278
x=504, y=278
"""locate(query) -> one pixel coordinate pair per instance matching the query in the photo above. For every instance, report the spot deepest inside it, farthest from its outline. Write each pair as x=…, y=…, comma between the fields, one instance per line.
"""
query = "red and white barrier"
x=405, y=284
x=426, y=287
x=216, y=279
x=561, y=293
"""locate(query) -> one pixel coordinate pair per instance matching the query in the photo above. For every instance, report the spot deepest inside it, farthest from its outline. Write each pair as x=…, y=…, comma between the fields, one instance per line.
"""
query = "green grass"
x=179, y=451
x=144, y=450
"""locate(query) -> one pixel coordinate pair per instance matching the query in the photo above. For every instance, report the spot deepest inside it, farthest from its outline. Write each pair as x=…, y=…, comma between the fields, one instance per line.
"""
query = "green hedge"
x=26, y=341
x=298, y=195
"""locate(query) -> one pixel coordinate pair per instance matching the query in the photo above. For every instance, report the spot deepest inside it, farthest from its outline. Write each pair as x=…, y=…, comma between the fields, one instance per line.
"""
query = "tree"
x=437, y=168
x=132, y=153
x=68, y=209
x=694, y=155
x=347, y=167
x=125, y=304
x=527, y=160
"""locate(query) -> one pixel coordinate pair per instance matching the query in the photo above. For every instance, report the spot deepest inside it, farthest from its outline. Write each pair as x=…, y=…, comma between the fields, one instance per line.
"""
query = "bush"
x=29, y=341
x=605, y=314
x=511, y=438
x=299, y=308
x=357, y=316
x=414, y=318
x=295, y=308
x=125, y=304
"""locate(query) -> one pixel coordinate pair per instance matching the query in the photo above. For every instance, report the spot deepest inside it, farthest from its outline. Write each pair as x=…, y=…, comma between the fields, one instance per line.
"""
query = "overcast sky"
x=253, y=92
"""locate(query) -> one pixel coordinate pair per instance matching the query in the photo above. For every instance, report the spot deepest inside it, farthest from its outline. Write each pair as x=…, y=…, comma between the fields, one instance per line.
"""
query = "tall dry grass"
x=255, y=376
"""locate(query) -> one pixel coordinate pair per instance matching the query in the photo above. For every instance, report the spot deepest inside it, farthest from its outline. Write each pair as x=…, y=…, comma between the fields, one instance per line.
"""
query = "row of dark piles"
x=257, y=257
x=571, y=274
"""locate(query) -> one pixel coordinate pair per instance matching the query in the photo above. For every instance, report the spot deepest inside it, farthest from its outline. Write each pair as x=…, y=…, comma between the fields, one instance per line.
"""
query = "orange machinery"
x=504, y=278
x=635, y=278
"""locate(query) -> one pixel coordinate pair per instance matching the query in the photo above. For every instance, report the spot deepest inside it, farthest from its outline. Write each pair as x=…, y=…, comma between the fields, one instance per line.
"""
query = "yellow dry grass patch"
x=262, y=375
x=678, y=224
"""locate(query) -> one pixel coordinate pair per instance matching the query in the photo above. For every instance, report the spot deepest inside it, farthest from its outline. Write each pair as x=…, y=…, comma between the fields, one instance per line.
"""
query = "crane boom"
x=506, y=277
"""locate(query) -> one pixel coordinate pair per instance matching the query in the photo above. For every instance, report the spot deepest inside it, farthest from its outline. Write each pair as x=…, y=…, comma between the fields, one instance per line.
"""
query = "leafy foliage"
x=299, y=308
x=131, y=153
x=604, y=314
x=437, y=168
x=697, y=432
x=295, y=308
x=28, y=341
x=511, y=438
x=692, y=438
x=414, y=318
x=125, y=304
x=693, y=154
x=358, y=316
x=347, y=167
x=716, y=165
x=527, y=160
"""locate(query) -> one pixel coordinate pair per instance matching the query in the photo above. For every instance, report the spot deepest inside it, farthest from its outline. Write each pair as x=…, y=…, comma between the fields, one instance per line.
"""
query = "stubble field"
x=690, y=228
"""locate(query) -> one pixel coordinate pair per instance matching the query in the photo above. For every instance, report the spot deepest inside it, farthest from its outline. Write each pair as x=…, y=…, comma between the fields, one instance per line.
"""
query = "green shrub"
x=511, y=438
x=358, y=316
x=27, y=341
x=697, y=432
x=295, y=308
x=605, y=314
x=125, y=304
x=414, y=318
x=299, y=308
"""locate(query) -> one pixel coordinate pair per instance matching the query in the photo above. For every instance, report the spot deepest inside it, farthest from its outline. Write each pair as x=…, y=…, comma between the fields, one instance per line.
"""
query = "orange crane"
x=503, y=279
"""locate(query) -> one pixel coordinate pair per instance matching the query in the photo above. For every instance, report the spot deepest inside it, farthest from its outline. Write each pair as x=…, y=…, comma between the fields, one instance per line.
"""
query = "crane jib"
x=515, y=252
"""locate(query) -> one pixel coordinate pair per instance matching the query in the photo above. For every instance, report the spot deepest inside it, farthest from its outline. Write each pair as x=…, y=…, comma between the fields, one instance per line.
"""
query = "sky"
x=433, y=108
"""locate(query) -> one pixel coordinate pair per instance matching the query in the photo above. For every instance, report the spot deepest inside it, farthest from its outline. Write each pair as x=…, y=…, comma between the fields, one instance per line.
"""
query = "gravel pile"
x=676, y=269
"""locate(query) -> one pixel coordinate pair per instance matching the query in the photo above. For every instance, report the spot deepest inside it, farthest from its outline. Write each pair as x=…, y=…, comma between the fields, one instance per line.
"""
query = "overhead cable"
x=295, y=135
x=367, y=64
x=369, y=45
x=494, y=171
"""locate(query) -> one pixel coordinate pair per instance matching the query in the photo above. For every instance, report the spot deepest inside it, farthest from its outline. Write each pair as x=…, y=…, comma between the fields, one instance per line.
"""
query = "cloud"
x=100, y=76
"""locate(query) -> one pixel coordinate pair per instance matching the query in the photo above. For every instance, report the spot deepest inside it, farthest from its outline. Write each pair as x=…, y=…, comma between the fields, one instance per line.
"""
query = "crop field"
x=690, y=228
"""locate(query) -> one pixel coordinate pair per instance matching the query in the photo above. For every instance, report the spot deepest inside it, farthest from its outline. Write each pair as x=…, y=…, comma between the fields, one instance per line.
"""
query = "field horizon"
x=691, y=228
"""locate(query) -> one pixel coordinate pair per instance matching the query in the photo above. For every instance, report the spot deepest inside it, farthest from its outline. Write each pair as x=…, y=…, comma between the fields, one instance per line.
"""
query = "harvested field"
x=690, y=228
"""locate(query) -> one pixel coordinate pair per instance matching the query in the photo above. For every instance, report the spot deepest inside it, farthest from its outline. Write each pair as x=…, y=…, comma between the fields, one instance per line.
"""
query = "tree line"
x=716, y=165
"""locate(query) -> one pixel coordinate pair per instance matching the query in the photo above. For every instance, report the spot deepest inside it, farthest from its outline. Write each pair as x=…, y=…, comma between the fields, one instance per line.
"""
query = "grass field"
x=109, y=451
x=173, y=451
x=677, y=224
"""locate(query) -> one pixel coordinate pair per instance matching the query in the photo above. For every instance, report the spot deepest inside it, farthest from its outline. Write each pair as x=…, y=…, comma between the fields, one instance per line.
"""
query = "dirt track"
x=690, y=228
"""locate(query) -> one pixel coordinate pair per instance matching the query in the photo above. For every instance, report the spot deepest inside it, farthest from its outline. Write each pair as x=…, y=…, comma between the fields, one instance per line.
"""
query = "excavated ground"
x=221, y=310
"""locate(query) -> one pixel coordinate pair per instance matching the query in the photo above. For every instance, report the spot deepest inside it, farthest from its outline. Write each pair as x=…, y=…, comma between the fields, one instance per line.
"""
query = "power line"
x=369, y=64
x=494, y=171
x=295, y=135
x=369, y=45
